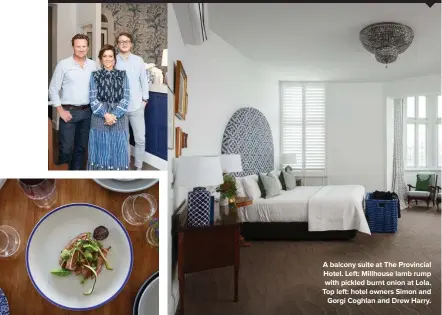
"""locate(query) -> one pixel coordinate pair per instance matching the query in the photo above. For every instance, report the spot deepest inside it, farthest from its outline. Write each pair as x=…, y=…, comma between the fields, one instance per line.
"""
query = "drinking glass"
x=9, y=241
x=152, y=234
x=138, y=209
x=43, y=192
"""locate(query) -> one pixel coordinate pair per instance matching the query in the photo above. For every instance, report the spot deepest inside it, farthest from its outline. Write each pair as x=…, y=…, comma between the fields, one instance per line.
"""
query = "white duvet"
x=325, y=208
x=338, y=208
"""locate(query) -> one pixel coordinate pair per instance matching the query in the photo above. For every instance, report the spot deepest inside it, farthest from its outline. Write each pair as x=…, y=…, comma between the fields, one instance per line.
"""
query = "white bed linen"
x=338, y=207
x=290, y=206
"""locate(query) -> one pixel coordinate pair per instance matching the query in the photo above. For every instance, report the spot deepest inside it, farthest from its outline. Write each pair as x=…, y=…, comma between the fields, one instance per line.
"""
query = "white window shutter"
x=303, y=126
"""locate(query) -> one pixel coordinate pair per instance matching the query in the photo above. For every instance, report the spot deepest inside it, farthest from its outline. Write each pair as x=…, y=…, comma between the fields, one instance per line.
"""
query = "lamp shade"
x=164, y=58
x=231, y=163
x=289, y=158
x=199, y=171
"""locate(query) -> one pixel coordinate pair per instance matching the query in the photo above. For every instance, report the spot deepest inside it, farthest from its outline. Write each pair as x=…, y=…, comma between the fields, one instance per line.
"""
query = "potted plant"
x=227, y=191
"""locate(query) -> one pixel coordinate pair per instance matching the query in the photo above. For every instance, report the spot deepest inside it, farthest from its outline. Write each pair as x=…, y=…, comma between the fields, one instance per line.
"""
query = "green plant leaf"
x=61, y=272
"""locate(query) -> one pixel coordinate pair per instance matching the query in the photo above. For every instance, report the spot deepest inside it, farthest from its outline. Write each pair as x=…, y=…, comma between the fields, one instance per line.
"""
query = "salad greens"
x=83, y=256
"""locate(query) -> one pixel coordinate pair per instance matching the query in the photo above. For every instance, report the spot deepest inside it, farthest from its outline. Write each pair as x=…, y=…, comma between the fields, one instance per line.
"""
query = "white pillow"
x=276, y=175
x=251, y=186
x=240, y=190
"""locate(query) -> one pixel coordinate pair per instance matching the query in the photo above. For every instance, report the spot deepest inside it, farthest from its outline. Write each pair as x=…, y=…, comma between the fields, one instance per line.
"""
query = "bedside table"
x=208, y=247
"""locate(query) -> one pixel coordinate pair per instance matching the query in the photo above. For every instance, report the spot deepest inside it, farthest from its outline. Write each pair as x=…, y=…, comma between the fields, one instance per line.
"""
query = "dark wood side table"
x=208, y=247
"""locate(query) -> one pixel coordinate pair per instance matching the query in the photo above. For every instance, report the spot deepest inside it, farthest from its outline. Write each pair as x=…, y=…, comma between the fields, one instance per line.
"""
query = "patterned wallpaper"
x=146, y=22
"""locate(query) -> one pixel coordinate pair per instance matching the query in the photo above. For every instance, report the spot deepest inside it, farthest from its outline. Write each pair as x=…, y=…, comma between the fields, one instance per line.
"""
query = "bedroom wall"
x=220, y=81
x=355, y=118
x=176, y=50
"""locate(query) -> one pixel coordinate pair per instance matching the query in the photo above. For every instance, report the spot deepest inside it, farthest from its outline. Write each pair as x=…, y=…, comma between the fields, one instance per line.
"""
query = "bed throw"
x=338, y=207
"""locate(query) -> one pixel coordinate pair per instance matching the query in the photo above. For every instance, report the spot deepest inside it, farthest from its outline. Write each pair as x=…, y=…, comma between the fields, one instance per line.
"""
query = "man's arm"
x=144, y=81
x=54, y=90
x=55, y=85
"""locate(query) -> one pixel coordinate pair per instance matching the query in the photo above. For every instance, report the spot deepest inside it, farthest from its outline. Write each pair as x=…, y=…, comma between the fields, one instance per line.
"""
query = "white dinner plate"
x=147, y=300
x=126, y=186
x=48, y=239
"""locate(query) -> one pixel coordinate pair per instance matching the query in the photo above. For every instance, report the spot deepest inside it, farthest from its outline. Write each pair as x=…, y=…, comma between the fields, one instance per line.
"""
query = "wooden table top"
x=20, y=212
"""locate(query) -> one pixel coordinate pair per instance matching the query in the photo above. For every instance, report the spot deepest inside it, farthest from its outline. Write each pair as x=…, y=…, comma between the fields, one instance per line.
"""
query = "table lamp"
x=231, y=163
x=198, y=172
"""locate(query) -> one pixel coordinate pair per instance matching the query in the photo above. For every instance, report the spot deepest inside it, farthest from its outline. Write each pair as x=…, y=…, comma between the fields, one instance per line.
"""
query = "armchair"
x=438, y=197
x=425, y=189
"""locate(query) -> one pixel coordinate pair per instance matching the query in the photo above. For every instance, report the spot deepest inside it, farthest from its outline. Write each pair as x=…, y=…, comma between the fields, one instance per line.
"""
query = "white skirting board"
x=152, y=160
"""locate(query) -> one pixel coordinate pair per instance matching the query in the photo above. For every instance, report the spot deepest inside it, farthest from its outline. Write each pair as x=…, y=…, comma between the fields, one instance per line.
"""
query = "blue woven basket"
x=381, y=214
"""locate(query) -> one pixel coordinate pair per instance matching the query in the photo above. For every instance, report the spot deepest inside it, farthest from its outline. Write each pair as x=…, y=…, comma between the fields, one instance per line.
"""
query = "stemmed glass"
x=43, y=192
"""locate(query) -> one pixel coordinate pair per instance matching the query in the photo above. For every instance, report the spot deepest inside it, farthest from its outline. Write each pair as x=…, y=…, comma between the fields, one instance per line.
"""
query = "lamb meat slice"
x=72, y=262
x=77, y=270
x=86, y=272
x=82, y=236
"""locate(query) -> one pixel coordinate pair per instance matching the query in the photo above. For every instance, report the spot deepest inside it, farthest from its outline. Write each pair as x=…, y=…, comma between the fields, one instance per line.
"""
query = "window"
x=423, y=140
x=303, y=126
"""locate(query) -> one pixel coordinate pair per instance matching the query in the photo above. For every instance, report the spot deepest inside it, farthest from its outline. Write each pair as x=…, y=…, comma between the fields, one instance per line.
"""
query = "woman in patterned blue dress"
x=109, y=99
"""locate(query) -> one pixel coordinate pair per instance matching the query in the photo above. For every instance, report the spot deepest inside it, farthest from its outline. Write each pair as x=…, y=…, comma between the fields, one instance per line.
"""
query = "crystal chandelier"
x=386, y=40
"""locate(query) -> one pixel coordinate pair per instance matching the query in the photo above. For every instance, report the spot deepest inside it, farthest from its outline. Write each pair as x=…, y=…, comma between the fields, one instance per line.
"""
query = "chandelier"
x=386, y=40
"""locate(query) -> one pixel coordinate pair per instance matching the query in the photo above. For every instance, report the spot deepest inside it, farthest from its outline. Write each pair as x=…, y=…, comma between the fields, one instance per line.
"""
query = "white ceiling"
x=318, y=41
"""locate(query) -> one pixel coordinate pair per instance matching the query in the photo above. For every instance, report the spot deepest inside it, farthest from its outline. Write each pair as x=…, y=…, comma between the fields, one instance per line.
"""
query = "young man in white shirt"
x=139, y=93
x=69, y=94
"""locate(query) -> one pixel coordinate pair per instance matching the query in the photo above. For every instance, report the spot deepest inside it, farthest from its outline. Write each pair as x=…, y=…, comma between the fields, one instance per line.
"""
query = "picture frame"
x=180, y=89
x=184, y=141
x=178, y=142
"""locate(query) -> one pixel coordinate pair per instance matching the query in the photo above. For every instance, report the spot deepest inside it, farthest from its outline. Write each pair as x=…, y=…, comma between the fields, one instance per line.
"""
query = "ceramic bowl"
x=126, y=186
x=48, y=239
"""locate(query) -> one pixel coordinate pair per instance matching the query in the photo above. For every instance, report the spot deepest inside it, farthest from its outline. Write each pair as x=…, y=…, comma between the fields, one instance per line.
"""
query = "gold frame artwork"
x=180, y=91
x=179, y=141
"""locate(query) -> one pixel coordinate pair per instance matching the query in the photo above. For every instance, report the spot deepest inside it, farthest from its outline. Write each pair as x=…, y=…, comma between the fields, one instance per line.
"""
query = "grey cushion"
x=270, y=185
x=418, y=193
x=289, y=180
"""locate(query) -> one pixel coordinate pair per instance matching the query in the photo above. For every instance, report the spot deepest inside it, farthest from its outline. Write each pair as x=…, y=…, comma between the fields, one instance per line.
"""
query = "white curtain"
x=398, y=182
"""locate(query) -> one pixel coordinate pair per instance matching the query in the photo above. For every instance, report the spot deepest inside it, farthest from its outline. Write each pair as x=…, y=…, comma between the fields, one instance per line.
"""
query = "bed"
x=332, y=212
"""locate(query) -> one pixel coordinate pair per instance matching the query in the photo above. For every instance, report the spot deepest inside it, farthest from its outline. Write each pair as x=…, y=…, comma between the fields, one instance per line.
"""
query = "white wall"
x=66, y=27
x=220, y=81
x=413, y=86
x=90, y=14
x=176, y=51
x=355, y=118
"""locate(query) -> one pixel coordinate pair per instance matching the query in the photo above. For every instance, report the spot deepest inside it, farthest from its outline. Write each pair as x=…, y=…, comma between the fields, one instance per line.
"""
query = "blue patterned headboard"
x=248, y=133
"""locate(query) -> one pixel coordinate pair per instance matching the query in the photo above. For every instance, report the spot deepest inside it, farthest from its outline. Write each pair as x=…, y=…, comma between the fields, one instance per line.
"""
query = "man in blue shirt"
x=69, y=94
x=139, y=93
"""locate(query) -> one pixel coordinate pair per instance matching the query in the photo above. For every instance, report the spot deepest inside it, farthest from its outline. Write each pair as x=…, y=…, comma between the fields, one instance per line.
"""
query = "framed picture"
x=180, y=90
x=170, y=122
x=178, y=141
x=184, y=141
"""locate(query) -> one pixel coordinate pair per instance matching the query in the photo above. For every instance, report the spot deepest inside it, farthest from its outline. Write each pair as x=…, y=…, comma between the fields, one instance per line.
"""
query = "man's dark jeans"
x=74, y=138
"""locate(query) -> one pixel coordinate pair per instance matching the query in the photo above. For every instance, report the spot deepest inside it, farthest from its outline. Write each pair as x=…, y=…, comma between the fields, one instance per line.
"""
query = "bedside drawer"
x=207, y=248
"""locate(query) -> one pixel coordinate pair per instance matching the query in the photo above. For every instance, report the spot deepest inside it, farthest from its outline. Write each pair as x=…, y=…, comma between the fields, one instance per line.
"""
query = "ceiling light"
x=386, y=40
